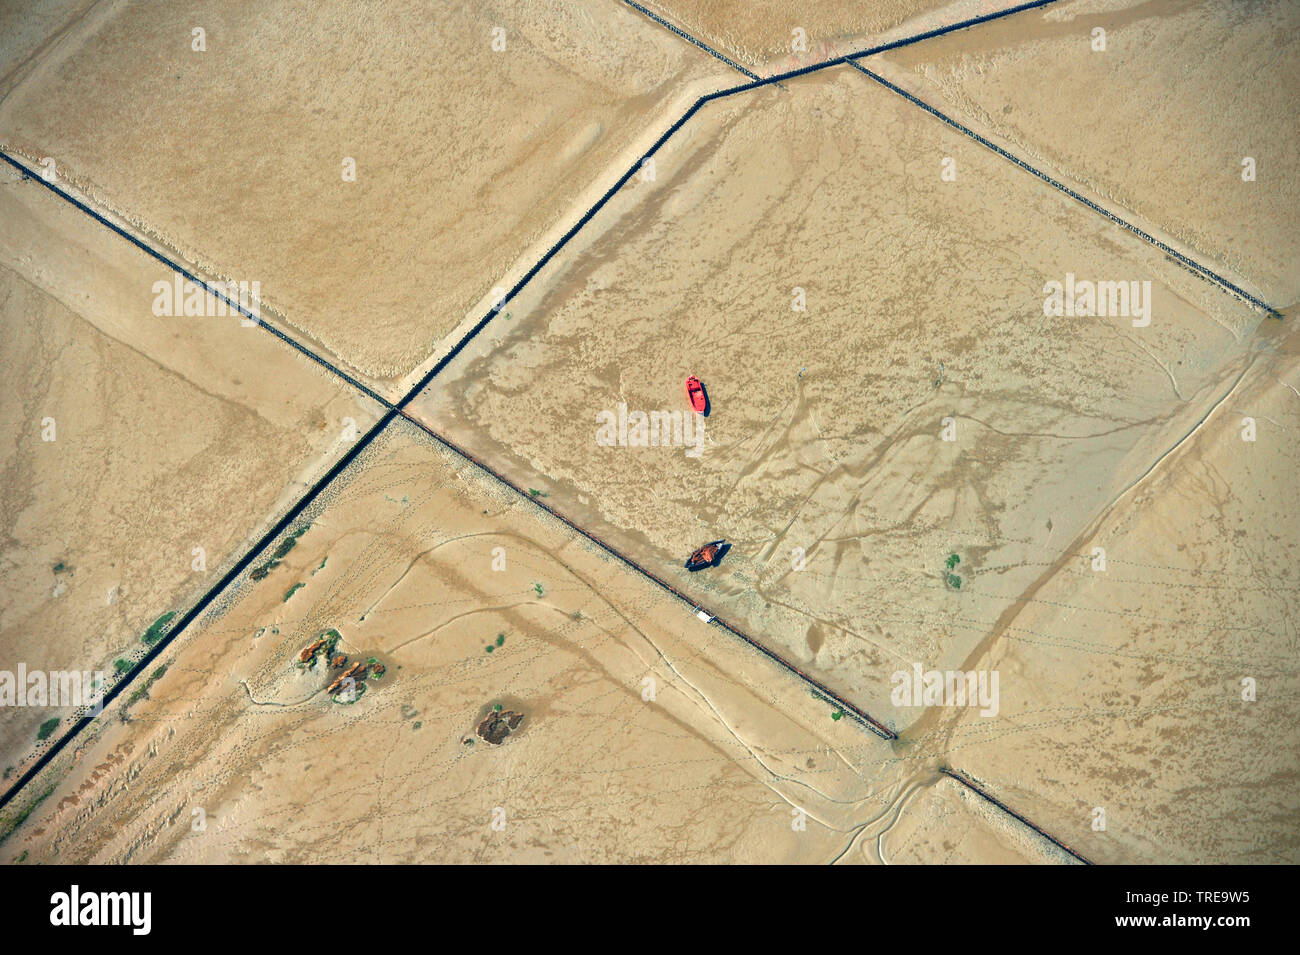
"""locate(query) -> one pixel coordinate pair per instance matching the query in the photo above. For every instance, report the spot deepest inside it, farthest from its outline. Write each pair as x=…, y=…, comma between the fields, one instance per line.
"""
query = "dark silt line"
x=203, y=603
x=961, y=778
x=1196, y=267
x=213, y=592
x=215, y=291
x=690, y=39
x=777, y=78
x=858, y=714
x=658, y=144
x=400, y=407
x=970, y=784
x=551, y=253
x=850, y=59
x=393, y=410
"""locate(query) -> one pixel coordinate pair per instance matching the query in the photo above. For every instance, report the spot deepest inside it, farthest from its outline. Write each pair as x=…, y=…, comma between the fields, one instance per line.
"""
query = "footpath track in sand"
x=397, y=409
x=392, y=411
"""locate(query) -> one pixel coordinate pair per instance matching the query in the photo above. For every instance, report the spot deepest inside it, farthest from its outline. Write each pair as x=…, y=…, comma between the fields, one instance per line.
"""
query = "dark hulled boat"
x=707, y=556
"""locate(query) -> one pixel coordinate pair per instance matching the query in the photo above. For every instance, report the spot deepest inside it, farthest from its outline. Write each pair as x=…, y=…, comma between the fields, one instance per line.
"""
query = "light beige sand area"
x=713, y=766
x=826, y=435
x=467, y=158
x=168, y=434
x=28, y=28
x=947, y=824
x=916, y=464
x=1123, y=690
x=1158, y=124
x=761, y=33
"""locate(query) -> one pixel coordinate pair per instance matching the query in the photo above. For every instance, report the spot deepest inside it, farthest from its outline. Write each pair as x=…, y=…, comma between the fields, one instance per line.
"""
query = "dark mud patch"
x=815, y=638
x=498, y=724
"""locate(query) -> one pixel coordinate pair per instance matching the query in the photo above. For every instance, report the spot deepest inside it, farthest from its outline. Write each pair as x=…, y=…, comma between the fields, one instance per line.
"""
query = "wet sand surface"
x=826, y=432
x=772, y=36
x=946, y=824
x=916, y=466
x=166, y=434
x=647, y=735
x=1158, y=123
x=466, y=157
x=27, y=28
x=1162, y=690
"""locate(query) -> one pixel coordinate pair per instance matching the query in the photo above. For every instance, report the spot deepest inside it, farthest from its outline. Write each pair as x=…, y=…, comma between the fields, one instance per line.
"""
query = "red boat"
x=695, y=392
x=707, y=556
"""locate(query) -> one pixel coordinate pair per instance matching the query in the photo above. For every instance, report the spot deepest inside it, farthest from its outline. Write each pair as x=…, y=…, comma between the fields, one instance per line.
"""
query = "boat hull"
x=707, y=556
x=696, y=396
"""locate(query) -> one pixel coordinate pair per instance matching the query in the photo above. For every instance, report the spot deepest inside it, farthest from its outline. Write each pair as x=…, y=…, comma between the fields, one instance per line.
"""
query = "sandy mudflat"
x=761, y=35
x=169, y=434
x=924, y=302
x=28, y=28
x=1123, y=689
x=466, y=157
x=917, y=465
x=1158, y=124
x=713, y=768
x=946, y=824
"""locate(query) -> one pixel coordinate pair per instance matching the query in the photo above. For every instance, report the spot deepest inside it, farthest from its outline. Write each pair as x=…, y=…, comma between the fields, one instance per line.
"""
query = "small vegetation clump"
x=157, y=629
x=949, y=578
x=534, y=492
x=122, y=665
x=143, y=690
x=350, y=695
x=836, y=712
x=293, y=590
x=12, y=824
x=289, y=542
x=281, y=551
x=537, y=587
x=48, y=727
